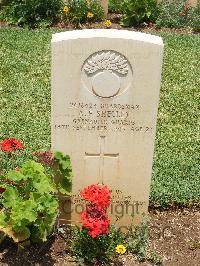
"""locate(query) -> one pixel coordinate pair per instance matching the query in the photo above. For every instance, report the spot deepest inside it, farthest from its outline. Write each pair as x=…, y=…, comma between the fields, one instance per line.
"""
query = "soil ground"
x=174, y=236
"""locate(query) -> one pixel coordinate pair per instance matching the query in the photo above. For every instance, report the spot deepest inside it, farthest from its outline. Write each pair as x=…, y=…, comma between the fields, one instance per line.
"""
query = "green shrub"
x=155, y=258
x=115, y=6
x=136, y=12
x=93, y=250
x=177, y=14
x=13, y=154
x=33, y=13
x=137, y=239
x=82, y=11
x=195, y=20
x=28, y=205
x=62, y=168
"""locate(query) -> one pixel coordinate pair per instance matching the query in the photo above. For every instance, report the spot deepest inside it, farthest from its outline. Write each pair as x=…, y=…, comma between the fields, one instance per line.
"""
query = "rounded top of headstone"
x=107, y=33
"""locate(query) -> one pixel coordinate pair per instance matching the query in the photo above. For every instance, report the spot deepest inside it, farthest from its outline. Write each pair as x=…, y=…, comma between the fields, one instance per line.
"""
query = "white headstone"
x=105, y=94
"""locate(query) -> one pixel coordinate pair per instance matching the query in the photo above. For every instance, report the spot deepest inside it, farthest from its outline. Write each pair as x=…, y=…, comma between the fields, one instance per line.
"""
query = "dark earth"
x=174, y=238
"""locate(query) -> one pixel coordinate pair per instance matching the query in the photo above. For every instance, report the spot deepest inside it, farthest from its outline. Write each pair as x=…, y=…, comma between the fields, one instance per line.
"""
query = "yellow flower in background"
x=90, y=15
x=120, y=249
x=66, y=9
x=107, y=23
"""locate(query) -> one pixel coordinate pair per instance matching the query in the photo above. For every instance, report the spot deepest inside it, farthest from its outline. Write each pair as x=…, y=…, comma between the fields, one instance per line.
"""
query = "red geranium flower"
x=95, y=225
x=11, y=144
x=94, y=218
x=98, y=195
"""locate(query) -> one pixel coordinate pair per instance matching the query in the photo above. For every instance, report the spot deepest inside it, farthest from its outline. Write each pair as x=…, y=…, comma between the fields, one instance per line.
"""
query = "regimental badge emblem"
x=106, y=74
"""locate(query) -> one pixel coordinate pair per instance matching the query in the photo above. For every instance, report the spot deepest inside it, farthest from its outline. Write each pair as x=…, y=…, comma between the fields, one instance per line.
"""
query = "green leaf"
x=43, y=184
x=47, y=204
x=148, y=14
x=31, y=167
x=23, y=213
x=65, y=185
x=39, y=232
x=42, y=228
x=10, y=197
x=63, y=160
x=16, y=236
x=21, y=235
x=58, y=155
x=64, y=173
x=3, y=218
x=16, y=176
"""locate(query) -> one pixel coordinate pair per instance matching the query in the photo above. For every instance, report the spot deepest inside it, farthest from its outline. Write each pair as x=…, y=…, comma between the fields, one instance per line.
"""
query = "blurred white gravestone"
x=105, y=94
x=104, y=4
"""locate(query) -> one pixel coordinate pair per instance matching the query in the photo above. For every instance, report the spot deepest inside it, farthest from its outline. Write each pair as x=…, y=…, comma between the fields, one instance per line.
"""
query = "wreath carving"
x=107, y=61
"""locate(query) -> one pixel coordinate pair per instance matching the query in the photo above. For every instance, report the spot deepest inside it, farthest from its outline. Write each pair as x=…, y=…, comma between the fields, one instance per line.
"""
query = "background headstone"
x=105, y=94
x=104, y=4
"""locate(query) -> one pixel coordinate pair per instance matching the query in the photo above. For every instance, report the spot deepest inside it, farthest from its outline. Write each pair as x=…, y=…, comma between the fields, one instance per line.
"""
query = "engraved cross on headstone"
x=102, y=155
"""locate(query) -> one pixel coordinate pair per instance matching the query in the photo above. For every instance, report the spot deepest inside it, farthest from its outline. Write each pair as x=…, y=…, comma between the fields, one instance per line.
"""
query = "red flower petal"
x=94, y=218
x=11, y=144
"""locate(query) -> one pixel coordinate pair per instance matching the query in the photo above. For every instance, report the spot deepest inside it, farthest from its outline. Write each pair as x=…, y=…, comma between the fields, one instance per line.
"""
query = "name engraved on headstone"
x=103, y=117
